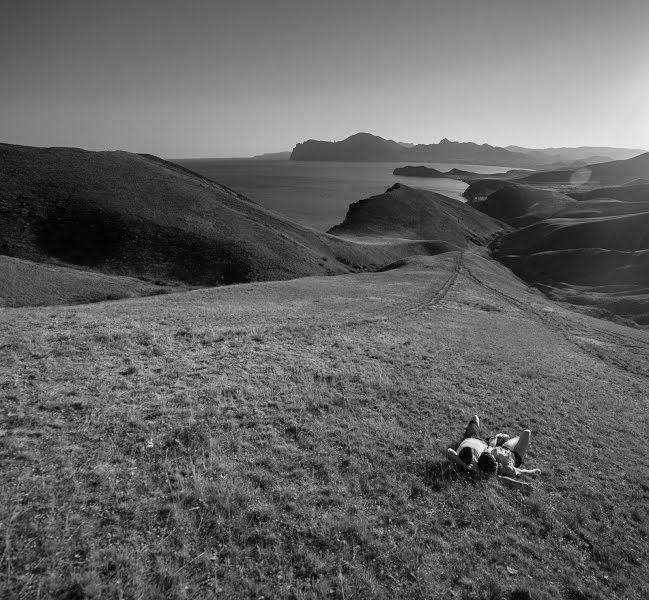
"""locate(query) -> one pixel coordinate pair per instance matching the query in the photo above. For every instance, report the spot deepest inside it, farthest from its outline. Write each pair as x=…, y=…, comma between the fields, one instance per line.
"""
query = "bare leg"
x=473, y=428
x=519, y=444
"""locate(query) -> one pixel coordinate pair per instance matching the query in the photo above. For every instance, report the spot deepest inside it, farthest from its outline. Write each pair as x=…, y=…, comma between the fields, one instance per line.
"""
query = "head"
x=487, y=464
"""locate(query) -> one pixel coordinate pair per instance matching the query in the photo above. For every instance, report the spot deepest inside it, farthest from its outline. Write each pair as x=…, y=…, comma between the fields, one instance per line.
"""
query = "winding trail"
x=548, y=318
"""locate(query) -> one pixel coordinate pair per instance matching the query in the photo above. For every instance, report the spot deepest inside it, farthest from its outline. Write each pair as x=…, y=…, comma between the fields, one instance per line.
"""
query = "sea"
x=317, y=194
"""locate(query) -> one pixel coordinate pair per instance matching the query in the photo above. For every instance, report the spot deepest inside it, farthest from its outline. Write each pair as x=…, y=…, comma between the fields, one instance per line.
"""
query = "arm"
x=498, y=440
x=515, y=484
x=528, y=471
x=457, y=461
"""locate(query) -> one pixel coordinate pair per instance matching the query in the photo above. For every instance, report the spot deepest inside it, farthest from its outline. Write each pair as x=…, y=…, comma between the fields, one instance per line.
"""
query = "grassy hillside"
x=122, y=214
x=25, y=283
x=521, y=205
x=286, y=440
x=619, y=232
x=126, y=214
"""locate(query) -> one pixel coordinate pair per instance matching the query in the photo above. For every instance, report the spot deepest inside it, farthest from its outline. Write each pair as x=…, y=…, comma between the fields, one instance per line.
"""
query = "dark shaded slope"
x=605, y=282
x=626, y=232
x=598, y=262
x=520, y=205
x=125, y=214
x=638, y=192
x=407, y=213
x=479, y=190
x=558, y=176
x=595, y=267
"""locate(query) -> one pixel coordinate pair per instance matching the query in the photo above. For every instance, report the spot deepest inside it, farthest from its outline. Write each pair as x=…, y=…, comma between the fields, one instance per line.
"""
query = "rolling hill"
x=616, y=172
x=287, y=440
x=119, y=214
x=26, y=283
x=634, y=192
x=618, y=232
x=127, y=214
x=521, y=205
x=406, y=213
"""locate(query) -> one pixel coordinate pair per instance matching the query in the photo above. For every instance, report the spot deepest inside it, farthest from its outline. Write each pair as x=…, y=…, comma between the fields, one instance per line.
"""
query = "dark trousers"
x=472, y=430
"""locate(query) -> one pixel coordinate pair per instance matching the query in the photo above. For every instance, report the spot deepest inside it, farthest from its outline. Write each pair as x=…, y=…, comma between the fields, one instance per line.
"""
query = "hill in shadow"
x=593, y=254
x=521, y=205
x=618, y=232
x=410, y=214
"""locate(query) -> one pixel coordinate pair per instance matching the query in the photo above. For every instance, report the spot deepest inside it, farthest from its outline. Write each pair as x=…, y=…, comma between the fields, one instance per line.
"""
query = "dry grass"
x=286, y=440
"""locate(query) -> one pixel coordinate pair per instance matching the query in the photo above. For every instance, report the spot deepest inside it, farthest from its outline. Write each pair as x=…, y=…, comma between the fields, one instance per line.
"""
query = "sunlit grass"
x=151, y=451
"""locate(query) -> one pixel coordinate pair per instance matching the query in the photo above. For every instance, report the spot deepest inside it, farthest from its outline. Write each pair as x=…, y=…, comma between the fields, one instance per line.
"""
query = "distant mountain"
x=274, y=156
x=361, y=147
x=587, y=154
x=364, y=147
x=615, y=172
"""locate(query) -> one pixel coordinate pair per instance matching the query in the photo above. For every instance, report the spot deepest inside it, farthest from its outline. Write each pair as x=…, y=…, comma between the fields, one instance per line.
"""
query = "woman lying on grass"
x=501, y=455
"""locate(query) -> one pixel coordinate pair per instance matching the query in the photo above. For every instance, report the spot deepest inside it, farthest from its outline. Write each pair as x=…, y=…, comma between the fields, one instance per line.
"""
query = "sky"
x=198, y=78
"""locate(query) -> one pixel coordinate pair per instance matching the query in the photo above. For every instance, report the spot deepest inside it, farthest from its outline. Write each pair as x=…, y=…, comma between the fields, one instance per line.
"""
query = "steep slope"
x=587, y=259
x=406, y=213
x=610, y=282
x=625, y=232
x=520, y=205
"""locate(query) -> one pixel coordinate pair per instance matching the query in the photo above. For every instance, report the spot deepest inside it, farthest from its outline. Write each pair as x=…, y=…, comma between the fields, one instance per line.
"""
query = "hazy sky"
x=241, y=77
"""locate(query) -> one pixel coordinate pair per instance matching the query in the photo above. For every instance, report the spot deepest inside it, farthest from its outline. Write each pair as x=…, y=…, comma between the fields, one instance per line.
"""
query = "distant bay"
x=317, y=194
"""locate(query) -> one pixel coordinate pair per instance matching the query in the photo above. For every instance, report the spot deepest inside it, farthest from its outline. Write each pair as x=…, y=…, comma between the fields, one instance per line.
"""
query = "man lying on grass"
x=501, y=455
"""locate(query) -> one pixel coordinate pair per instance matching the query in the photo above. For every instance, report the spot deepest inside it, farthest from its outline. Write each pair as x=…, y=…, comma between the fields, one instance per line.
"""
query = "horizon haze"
x=250, y=78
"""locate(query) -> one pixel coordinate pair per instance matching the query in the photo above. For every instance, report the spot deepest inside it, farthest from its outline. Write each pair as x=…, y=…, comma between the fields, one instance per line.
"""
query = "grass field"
x=286, y=440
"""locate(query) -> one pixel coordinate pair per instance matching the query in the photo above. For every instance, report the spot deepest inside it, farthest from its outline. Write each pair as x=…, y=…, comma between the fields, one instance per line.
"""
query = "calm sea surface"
x=317, y=194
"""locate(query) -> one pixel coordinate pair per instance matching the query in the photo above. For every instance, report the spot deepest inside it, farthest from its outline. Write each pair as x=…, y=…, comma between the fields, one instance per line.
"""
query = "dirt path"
x=578, y=330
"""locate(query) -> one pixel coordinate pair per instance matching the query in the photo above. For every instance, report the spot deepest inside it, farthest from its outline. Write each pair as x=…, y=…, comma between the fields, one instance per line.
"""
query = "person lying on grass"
x=502, y=455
